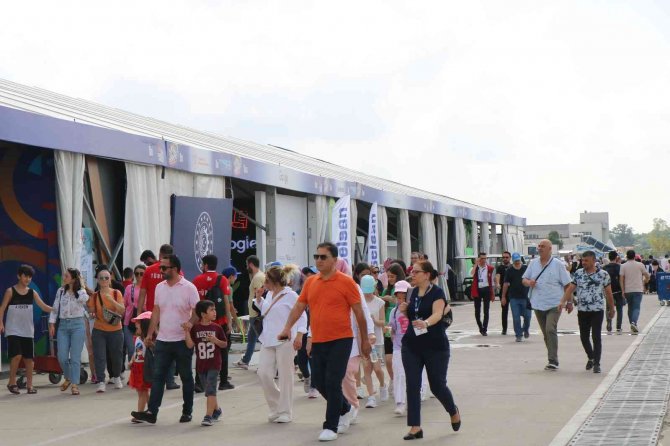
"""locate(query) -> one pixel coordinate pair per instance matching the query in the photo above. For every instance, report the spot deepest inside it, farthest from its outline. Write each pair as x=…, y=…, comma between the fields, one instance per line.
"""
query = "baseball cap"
x=401, y=286
x=231, y=270
x=145, y=315
x=309, y=270
x=368, y=284
x=516, y=257
x=638, y=257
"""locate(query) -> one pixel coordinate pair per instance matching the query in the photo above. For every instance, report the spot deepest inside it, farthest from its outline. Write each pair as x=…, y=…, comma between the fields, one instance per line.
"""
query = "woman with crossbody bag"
x=130, y=299
x=278, y=355
x=107, y=308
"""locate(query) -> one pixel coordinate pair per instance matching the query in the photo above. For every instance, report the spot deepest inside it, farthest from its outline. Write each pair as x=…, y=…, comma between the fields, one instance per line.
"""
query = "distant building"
x=594, y=224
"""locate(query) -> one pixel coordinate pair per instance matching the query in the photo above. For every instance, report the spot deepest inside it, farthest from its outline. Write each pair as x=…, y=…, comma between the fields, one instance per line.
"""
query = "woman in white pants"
x=277, y=356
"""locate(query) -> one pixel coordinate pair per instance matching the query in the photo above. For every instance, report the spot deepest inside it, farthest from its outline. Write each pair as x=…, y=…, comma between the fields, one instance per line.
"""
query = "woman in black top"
x=425, y=344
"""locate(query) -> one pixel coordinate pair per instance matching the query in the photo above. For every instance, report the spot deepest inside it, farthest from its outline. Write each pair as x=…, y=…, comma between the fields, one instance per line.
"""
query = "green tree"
x=555, y=239
x=622, y=235
x=659, y=237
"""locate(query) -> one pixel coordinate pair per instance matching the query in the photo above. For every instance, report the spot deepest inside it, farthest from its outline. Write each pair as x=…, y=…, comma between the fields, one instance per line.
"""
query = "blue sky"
x=540, y=109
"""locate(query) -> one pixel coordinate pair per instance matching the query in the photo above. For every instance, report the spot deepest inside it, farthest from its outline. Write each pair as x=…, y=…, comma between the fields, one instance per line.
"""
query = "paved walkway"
x=505, y=398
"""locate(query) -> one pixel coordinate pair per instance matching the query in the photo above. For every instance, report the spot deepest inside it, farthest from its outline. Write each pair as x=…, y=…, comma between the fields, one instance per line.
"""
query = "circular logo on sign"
x=204, y=237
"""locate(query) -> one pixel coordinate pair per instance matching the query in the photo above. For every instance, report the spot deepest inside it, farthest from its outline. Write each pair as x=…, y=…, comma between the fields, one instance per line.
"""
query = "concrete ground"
x=504, y=395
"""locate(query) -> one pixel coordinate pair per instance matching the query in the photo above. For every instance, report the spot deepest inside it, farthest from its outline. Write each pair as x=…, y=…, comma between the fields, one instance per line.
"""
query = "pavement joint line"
x=566, y=434
x=125, y=419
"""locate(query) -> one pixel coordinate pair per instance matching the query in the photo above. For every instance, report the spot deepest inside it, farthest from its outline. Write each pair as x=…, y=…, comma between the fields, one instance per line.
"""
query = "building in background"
x=591, y=224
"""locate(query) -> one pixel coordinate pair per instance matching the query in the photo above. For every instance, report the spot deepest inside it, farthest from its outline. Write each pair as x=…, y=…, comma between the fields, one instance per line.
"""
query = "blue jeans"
x=634, y=302
x=70, y=342
x=251, y=341
x=165, y=353
x=520, y=309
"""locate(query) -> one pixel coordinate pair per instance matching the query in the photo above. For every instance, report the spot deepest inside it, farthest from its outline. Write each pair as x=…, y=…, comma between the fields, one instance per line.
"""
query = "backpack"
x=216, y=295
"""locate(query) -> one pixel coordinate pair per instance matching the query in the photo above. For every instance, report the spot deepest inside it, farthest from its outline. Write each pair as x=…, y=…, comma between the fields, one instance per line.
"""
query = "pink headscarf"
x=343, y=266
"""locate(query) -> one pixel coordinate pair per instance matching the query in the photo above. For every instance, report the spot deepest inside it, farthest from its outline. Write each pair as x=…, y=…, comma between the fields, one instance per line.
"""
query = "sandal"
x=31, y=391
x=65, y=385
x=13, y=388
x=75, y=390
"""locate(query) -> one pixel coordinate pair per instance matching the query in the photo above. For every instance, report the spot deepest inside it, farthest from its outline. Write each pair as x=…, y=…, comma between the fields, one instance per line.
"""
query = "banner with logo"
x=373, y=237
x=341, y=228
x=201, y=226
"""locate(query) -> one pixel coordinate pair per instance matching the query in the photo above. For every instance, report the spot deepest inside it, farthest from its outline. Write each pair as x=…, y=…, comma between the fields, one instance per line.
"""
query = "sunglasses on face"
x=103, y=278
x=165, y=268
x=139, y=273
x=321, y=257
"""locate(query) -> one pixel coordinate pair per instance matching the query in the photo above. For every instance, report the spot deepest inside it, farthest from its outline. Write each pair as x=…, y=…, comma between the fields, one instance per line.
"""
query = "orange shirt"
x=95, y=307
x=330, y=301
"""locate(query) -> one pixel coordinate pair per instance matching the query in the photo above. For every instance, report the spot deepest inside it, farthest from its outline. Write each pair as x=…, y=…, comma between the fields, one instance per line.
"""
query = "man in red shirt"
x=152, y=277
x=204, y=282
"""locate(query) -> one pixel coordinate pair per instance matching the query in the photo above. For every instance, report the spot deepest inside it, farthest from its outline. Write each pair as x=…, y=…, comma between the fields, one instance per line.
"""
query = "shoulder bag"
x=258, y=322
x=109, y=316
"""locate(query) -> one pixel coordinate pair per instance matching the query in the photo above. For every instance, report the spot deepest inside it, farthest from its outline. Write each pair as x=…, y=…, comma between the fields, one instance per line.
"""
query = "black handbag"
x=149, y=361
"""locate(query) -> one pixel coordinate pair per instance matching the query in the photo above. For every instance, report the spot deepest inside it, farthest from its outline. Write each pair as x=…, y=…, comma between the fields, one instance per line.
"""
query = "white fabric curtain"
x=442, y=251
x=69, y=205
x=382, y=222
x=322, y=218
x=176, y=182
x=353, y=210
x=428, y=237
x=506, y=245
x=474, y=237
x=209, y=186
x=404, y=236
x=459, y=240
x=486, y=239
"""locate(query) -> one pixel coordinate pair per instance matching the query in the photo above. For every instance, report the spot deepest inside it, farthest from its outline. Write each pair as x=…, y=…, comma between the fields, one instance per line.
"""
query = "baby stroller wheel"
x=21, y=382
x=54, y=378
x=83, y=376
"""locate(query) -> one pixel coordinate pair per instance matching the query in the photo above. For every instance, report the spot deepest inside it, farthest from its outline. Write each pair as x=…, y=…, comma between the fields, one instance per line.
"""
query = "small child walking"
x=208, y=339
x=137, y=380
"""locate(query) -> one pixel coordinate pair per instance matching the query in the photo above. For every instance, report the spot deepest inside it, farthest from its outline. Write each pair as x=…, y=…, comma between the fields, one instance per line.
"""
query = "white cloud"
x=541, y=109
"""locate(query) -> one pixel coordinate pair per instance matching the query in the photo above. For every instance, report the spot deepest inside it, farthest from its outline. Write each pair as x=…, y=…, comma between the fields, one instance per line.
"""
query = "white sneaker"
x=118, y=384
x=101, y=387
x=424, y=396
x=283, y=418
x=345, y=422
x=243, y=365
x=306, y=385
x=372, y=402
x=354, y=416
x=272, y=418
x=383, y=393
x=399, y=409
x=313, y=393
x=327, y=435
x=360, y=393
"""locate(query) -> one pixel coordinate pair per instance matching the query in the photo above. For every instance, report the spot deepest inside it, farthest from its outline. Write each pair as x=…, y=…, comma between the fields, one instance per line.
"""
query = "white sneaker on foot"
x=283, y=418
x=306, y=385
x=313, y=393
x=399, y=409
x=360, y=393
x=354, y=416
x=383, y=393
x=327, y=435
x=101, y=387
x=345, y=422
x=118, y=384
x=372, y=402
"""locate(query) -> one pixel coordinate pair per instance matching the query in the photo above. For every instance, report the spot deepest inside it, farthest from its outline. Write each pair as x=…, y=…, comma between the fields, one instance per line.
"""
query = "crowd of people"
x=342, y=328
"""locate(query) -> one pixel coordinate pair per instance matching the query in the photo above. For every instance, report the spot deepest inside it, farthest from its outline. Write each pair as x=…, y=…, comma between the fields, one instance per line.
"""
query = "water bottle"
x=374, y=357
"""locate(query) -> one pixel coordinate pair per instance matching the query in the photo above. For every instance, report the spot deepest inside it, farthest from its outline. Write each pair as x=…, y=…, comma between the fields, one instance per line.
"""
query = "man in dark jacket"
x=612, y=269
x=483, y=289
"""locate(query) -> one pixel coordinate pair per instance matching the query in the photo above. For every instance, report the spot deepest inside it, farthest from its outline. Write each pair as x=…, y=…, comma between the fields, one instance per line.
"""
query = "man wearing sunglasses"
x=331, y=296
x=175, y=301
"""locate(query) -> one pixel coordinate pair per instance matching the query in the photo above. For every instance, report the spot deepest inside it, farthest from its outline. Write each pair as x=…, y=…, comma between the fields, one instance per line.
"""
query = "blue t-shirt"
x=550, y=286
x=422, y=308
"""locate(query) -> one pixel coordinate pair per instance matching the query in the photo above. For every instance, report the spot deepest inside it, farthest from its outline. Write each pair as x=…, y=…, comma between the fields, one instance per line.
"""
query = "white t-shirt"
x=633, y=271
x=355, y=347
x=375, y=305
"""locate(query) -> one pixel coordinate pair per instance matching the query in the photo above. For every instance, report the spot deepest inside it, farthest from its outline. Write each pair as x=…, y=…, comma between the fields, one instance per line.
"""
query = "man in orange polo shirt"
x=331, y=296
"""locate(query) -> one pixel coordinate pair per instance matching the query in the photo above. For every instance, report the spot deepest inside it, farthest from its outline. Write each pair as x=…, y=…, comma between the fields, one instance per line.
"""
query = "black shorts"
x=388, y=346
x=17, y=345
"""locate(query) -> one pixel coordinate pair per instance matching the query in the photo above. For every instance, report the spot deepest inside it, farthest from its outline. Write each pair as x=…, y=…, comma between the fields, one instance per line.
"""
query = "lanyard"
x=418, y=300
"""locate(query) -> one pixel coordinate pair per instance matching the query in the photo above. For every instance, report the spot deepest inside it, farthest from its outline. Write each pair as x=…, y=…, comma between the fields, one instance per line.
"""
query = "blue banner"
x=201, y=226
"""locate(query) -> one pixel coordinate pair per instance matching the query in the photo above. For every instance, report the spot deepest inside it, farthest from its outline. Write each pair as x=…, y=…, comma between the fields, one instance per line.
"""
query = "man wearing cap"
x=547, y=279
x=515, y=294
x=632, y=277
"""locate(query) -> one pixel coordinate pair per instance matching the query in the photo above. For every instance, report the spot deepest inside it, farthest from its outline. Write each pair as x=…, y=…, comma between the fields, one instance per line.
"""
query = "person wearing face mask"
x=175, y=301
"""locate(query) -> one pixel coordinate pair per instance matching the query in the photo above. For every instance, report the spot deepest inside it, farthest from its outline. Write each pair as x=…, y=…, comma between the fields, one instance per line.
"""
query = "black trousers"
x=302, y=358
x=436, y=363
x=591, y=324
x=478, y=308
x=504, y=314
x=223, y=374
x=329, y=365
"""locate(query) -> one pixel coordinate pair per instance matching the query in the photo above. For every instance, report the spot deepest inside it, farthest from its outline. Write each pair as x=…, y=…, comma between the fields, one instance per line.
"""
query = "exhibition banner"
x=373, y=237
x=341, y=228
